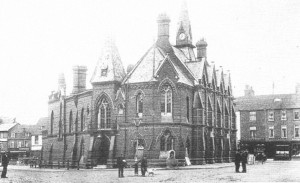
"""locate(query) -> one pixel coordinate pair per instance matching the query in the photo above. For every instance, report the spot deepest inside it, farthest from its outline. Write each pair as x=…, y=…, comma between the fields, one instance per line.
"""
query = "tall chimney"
x=201, y=49
x=79, y=79
x=62, y=84
x=163, y=22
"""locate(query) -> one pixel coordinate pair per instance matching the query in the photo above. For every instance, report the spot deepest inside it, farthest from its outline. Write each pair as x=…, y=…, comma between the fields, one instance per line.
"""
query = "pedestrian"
x=120, y=164
x=136, y=166
x=5, y=161
x=237, y=161
x=244, y=160
x=144, y=166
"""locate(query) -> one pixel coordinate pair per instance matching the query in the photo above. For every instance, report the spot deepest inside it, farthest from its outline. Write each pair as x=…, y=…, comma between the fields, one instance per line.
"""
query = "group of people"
x=241, y=157
x=121, y=164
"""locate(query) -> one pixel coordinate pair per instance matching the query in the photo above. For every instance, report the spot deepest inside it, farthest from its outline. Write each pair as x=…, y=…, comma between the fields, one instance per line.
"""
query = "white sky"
x=257, y=40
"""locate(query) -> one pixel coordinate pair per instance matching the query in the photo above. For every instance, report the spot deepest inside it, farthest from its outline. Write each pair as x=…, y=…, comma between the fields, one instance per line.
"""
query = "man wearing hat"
x=5, y=161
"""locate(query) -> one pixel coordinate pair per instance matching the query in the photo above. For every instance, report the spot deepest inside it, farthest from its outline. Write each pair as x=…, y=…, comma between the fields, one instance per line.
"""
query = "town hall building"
x=172, y=100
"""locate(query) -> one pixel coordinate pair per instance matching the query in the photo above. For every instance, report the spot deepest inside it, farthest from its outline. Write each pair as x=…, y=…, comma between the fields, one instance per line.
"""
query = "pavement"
x=207, y=166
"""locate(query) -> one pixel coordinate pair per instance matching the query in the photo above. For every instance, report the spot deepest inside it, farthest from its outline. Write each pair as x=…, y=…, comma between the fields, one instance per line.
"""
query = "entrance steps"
x=100, y=167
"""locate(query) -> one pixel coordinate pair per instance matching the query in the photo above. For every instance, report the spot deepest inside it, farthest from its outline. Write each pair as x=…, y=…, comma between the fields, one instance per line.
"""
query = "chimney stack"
x=62, y=84
x=79, y=79
x=163, y=22
x=201, y=49
x=249, y=92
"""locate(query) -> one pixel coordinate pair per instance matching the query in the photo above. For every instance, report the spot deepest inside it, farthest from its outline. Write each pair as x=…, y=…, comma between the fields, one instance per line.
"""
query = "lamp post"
x=137, y=121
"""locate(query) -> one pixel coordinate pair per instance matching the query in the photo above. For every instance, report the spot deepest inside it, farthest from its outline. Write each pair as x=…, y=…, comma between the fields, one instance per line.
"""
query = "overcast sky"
x=257, y=40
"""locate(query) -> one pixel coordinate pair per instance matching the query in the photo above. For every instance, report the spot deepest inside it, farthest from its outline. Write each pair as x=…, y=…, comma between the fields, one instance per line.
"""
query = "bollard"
x=77, y=165
x=68, y=165
x=58, y=165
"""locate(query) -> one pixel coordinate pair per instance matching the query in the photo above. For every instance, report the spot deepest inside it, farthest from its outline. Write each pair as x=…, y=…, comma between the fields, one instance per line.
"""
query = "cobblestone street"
x=272, y=171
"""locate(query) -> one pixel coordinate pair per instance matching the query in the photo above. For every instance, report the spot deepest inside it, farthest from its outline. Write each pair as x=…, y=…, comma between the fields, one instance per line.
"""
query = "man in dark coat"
x=144, y=166
x=120, y=165
x=237, y=161
x=244, y=160
x=5, y=161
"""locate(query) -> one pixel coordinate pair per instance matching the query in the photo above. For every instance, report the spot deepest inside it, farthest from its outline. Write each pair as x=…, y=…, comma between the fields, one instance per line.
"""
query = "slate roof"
x=197, y=68
x=261, y=102
x=6, y=127
x=109, y=60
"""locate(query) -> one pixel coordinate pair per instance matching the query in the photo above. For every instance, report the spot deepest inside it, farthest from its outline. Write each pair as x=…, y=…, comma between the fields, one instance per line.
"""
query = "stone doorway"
x=101, y=149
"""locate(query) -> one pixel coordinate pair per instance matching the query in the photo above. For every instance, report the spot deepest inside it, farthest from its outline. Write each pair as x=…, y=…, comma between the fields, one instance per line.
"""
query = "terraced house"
x=270, y=123
x=171, y=100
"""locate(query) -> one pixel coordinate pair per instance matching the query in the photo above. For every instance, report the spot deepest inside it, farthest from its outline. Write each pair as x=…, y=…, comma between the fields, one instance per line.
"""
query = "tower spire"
x=184, y=33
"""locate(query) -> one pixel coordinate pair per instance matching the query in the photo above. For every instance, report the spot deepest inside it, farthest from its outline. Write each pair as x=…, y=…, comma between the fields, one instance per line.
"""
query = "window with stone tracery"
x=166, y=141
x=139, y=105
x=166, y=101
x=104, y=115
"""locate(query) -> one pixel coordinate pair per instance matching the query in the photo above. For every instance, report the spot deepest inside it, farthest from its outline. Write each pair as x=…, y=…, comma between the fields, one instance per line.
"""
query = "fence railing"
x=68, y=164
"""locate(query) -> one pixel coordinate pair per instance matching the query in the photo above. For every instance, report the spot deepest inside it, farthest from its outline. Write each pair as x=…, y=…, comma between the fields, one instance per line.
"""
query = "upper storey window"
x=252, y=116
x=283, y=115
x=296, y=115
x=270, y=115
x=139, y=105
x=104, y=72
x=104, y=115
x=166, y=101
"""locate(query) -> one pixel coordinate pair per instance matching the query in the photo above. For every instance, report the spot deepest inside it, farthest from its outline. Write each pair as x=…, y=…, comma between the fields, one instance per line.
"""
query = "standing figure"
x=120, y=165
x=136, y=166
x=144, y=166
x=244, y=160
x=237, y=161
x=5, y=161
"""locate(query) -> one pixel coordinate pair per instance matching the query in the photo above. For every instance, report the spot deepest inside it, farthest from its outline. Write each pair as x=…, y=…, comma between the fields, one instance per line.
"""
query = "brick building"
x=172, y=99
x=268, y=122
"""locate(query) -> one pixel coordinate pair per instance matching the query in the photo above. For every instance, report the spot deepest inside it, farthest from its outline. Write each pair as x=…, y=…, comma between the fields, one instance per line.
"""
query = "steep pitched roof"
x=109, y=66
x=7, y=127
x=261, y=102
x=197, y=68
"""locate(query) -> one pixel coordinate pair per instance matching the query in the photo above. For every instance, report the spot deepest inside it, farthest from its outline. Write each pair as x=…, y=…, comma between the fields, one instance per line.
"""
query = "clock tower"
x=184, y=34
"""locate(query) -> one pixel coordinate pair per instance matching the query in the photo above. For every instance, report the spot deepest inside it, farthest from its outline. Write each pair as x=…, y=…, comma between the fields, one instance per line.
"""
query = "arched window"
x=70, y=122
x=166, y=101
x=82, y=119
x=60, y=122
x=139, y=105
x=51, y=123
x=121, y=109
x=167, y=141
x=188, y=108
x=104, y=116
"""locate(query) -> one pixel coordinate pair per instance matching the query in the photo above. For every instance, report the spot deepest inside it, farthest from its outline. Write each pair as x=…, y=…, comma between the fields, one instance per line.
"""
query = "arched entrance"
x=101, y=149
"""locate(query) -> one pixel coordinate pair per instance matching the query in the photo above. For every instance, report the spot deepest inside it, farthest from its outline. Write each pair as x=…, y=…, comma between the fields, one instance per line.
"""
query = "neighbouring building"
x=171, y=100
x=5, y=129
x=270, y=122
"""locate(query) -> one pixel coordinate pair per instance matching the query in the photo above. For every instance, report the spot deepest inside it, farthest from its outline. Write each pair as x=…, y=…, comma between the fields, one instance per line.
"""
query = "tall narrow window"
x=51, y=123
x=139, y=105
x=253, y=132
x=188, y=108
x=271, y=132
x=70, y=122
x=82, y=119
x=297, y=133
x=296, y=115
x=166, y=101
x=271, y=115
x=167, y=141
x=283, y=131
x=283, y=115
x=104, y=115
x=252, y=116
x=60, y=122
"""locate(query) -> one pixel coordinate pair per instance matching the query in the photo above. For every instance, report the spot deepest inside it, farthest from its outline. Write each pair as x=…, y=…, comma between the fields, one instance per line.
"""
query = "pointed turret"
x=62, y=84
x=109, y=67
x=184, y=38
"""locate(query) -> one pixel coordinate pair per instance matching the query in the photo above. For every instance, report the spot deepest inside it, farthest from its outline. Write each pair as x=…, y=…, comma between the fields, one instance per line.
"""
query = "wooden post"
x=58, y=165
x=68, y=165
x=77, y=165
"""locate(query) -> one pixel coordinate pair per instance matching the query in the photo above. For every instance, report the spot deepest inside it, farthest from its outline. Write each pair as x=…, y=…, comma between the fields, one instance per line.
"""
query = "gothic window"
x=82, y=119
x=60, y=122
x=210, y=113
x=166, y=101
x=104, y=115
x=70, y=122
x=167, y=141
x=51, y=121
x=139, y=105
x=121, y=109
x=187, y=108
